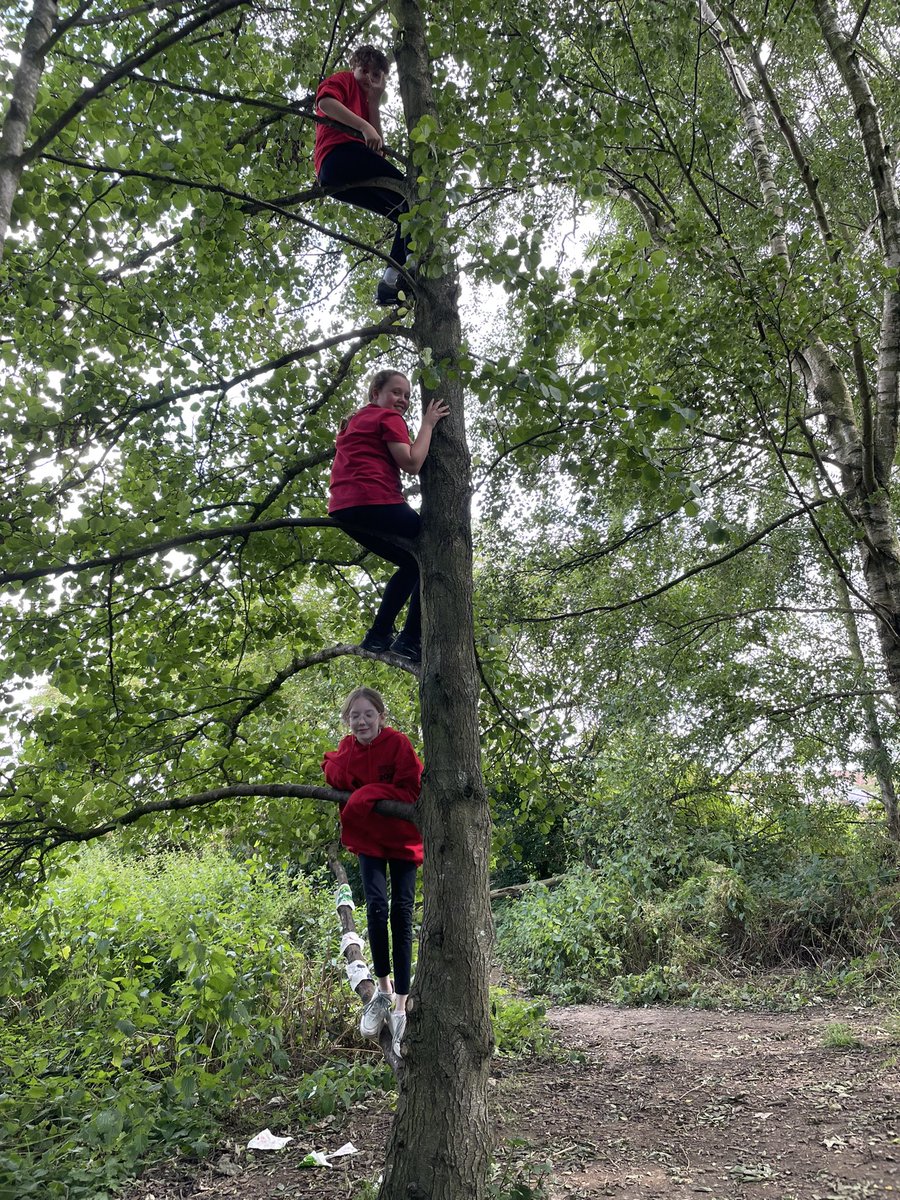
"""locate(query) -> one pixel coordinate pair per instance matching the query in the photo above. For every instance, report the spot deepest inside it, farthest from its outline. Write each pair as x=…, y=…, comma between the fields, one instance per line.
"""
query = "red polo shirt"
x=364, y=471
x=342, y=87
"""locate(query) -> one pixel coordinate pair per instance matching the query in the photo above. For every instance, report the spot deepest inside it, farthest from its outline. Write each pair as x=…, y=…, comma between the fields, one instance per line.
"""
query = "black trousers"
x=403, y=896
x=364, y=524
x=351, y=162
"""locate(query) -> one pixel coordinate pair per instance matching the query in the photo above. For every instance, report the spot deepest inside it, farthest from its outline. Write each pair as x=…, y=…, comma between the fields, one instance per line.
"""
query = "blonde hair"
x=363, y=693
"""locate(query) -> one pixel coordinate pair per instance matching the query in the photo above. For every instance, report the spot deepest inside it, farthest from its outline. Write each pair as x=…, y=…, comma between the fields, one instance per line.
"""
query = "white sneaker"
x=375, y=1014
x=397, y=1022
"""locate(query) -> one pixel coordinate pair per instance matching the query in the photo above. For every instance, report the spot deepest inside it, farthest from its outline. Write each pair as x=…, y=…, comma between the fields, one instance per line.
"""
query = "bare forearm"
x=410, y=458
x=375, y=112
x=332, y=108
x=418, y=451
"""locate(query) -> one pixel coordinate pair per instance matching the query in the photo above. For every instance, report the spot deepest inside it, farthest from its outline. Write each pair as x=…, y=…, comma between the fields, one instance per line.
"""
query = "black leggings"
x=403, y=895
x=364, y=524
x=351, y=162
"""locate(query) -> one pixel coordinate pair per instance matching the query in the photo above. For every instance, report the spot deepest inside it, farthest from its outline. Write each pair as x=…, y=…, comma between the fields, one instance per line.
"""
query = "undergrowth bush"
x=639, y=929
x=518, y=1025
x=134, y=1001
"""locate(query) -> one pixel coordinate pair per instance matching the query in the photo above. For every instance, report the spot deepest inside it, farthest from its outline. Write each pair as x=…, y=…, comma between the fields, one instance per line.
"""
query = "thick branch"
x=33, y=838
x=250, y=203
x=185, y=539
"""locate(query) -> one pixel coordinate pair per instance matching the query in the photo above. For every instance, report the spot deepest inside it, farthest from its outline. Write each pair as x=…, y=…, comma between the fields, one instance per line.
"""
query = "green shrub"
x=839, y=1036
x=335, y=1086
x=519, y=1026
x=134, y=1002
x=635, y=932
x=567, y=942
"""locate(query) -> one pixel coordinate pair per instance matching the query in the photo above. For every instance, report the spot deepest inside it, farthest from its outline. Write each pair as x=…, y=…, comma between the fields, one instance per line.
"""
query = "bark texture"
x=439, y=1147
x=21, y=106
x=884, y=771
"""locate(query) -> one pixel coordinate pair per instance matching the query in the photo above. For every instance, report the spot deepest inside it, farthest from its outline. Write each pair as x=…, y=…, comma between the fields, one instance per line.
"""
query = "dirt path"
x=661, y=1104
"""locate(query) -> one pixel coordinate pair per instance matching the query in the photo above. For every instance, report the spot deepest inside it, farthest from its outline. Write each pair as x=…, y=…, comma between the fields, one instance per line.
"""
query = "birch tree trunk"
x=21, y=106
x=439, y=1147
x=864, y=449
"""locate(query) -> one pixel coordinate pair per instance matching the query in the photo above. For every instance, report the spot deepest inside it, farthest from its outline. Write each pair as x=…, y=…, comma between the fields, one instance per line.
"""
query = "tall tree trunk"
x=881, y=759
x=865, y=456
x=21, y=106
x=439, y=1147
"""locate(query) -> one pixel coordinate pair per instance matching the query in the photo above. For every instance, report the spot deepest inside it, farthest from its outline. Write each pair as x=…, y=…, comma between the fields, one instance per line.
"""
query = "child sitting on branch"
x=376, y=763
x=342, y=158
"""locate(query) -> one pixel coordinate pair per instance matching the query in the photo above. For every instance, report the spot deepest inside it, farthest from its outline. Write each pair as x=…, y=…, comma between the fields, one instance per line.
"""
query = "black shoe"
x=407, y=647
x=388, y=294
x=377, y=643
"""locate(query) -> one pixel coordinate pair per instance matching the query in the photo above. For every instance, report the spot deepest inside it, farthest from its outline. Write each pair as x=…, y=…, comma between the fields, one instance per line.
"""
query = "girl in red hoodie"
x=378, y=763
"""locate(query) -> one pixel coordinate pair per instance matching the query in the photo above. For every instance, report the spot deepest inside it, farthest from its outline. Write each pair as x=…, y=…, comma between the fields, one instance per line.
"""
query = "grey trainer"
x=397, y=1021
x=375, y=1014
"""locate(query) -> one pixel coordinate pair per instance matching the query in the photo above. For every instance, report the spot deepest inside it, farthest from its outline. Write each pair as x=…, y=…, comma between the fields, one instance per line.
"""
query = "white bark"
x=21, y=106
x=759, y=150
x=861, y=464
x=881, y=176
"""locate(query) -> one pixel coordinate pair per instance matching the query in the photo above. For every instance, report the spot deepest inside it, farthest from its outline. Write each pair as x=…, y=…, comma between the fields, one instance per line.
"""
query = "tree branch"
x=251, y=203
x=26, y=839
x=246, y=529
x=697, y=570
x=121, y=71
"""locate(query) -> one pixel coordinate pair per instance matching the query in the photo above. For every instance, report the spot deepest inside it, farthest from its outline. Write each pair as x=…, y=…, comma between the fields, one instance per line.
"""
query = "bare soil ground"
x=658, y=1103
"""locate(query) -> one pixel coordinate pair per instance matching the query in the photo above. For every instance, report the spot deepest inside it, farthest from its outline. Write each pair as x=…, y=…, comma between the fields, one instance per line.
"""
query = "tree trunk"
x=881, y=758
x=865, y=463
x=439, y=1148
x=21, y=106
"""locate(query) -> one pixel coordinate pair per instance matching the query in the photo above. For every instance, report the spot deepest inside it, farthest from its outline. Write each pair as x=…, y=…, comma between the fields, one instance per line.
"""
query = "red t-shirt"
x=343, y=87
x=386, y=769
x=364, y=471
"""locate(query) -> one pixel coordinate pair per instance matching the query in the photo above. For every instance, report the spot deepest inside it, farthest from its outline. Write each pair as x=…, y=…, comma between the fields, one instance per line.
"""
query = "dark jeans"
x=364, y=524
x=352, y=162
x=374, y=873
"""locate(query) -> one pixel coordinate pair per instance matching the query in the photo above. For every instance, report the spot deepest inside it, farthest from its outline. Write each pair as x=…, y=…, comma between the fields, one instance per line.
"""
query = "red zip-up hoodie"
x=386, y=769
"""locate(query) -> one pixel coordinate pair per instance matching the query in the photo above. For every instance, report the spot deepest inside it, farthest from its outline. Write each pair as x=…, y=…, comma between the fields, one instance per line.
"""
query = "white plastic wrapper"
x=347, y=1148
x=267, y=1140
x=350, y=939
x=316, y=1158
x=357, y=972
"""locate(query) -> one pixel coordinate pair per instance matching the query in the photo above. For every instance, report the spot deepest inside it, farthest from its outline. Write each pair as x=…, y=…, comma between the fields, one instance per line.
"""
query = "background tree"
x=685, y=401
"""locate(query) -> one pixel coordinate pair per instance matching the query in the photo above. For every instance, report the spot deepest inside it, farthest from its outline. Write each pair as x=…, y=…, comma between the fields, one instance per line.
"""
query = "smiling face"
x=394, y=393
x=365, y=721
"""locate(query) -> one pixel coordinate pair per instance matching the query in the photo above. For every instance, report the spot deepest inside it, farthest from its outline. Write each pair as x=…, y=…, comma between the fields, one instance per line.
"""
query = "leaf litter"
x=635, y=1104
